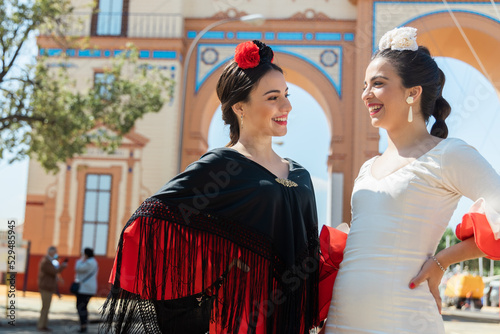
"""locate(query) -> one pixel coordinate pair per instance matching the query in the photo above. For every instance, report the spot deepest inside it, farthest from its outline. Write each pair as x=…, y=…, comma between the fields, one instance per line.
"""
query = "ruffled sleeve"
x=332, y=244
x=483, y=223
x=467, y=173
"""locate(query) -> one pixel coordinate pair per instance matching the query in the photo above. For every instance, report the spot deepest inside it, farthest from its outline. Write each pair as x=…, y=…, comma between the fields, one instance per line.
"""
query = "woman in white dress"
x=403, y=200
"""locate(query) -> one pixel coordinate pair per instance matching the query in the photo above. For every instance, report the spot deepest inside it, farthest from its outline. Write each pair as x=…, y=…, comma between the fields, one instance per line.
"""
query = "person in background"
x=59, y=279
x=47, y=284
x=86, y=269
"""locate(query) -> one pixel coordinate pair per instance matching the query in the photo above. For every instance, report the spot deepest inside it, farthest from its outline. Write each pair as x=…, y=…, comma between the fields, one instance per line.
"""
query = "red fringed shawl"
x=225, y=219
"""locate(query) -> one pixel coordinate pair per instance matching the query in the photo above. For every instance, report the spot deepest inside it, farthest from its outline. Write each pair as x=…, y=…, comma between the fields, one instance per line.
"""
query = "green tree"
x=447, y=234
x=472, y=265
x=42, y=114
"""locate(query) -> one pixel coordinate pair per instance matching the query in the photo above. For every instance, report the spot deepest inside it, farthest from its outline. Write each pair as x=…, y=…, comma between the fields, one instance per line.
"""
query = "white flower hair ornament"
x=400, y=39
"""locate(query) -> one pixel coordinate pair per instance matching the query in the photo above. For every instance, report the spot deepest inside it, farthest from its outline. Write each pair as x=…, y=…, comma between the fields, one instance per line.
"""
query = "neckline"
x=402, y=167
x=259, y=165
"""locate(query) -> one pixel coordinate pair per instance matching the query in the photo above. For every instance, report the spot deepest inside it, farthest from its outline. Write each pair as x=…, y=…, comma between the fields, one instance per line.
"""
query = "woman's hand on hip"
x=432, y=273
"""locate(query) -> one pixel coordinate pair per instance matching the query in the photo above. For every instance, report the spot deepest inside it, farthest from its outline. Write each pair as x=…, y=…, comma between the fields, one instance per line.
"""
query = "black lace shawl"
x=224, y=207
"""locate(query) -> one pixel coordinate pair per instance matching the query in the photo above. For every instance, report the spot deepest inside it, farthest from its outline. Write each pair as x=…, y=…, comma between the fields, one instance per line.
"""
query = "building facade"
x=324, y=47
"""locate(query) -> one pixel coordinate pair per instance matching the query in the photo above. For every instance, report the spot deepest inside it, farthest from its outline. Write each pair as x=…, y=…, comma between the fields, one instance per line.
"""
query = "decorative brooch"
x=404, y=38
x=286, y=182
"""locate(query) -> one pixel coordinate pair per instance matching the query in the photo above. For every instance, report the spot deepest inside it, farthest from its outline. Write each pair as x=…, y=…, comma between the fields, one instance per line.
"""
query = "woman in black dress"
x=230, y=244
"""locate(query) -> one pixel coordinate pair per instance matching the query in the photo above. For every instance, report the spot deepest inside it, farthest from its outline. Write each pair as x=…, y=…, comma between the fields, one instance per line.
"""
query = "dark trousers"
x=81, y=305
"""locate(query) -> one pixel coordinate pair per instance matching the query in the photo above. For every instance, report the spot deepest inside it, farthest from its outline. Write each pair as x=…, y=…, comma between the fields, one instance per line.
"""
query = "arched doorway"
x=441, y=35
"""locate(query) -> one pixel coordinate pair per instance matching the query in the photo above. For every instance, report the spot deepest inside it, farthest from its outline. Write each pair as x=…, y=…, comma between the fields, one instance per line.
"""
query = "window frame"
x=124, y=20
x=96, y=221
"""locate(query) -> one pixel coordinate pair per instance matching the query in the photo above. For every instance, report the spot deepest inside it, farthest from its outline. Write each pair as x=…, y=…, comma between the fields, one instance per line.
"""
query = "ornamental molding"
x=327, y=59
x=311, y=15
x=228, y=14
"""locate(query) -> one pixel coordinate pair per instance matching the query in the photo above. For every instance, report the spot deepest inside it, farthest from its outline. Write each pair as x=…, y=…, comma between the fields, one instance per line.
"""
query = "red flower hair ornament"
x=247, y=55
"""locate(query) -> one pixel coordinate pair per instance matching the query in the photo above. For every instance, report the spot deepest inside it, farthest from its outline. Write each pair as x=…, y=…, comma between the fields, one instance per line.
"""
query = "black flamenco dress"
x=226, y=245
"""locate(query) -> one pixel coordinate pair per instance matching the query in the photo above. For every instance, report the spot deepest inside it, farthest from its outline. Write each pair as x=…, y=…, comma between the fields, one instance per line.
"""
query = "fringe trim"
x=176, y=257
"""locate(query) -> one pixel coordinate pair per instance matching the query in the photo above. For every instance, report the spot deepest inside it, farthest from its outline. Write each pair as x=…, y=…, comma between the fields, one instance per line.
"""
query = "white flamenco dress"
x=397, y=223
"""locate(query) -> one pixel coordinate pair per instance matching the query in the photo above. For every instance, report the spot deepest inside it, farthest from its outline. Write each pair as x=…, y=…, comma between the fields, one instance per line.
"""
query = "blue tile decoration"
x=213, y=35
x=144, y=54
x=62, y=64
x=328, y=36
x=204, y=69
x=349, y=37
x=249, y=35
x=164, y=54
x=96, y=53
x=269, y=36
x=53, y=52
x=230, y=35
x=89, y=53
x=327, y=59
x=209, y=56
x=309, y=36
x=191, y=34
x=290, y=36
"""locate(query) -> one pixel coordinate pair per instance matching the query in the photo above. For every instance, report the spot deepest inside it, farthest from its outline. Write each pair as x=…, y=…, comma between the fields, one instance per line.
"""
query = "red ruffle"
x=332, y=243
x=475, y=224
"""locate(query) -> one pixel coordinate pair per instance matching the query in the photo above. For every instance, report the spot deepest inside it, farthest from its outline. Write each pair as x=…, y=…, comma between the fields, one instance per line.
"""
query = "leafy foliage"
x=42, y=113
x=471, y=265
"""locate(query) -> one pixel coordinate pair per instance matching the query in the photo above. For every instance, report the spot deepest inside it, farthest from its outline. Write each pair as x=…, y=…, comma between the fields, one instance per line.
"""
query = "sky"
x=475, y=118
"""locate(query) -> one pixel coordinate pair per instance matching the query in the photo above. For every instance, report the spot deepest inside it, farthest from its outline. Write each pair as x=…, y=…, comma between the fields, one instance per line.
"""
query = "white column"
x=334, y=199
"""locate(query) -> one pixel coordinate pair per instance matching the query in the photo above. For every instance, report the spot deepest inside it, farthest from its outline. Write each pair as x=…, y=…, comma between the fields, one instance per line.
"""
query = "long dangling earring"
x=409, y=100
x=241, y=126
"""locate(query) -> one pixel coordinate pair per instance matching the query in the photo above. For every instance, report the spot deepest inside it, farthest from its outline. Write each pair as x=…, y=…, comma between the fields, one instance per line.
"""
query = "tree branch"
x=5, y=70
x=17, y=118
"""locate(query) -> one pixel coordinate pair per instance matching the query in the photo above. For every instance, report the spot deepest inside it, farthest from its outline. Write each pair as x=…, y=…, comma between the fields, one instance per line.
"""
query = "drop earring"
x=241, y=126
x=409, y=100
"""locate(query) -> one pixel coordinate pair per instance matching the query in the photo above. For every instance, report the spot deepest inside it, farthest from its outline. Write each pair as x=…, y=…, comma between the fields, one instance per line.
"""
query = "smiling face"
x=385, y=96
x=266, y=111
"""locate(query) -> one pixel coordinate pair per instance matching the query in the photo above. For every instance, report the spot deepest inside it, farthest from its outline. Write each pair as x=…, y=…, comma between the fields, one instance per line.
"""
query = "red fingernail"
x=412, y=285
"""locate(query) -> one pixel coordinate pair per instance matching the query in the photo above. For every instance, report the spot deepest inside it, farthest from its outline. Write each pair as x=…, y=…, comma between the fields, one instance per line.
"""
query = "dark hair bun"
x=265, y=52
x=424, y=49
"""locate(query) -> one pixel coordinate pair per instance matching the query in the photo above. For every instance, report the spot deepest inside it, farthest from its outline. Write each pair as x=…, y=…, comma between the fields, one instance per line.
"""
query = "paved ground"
x=63, y=317
x=486, y=321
